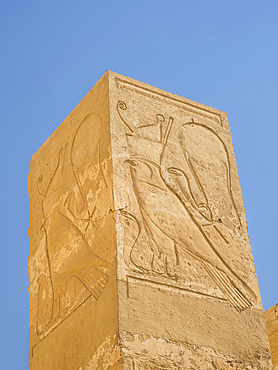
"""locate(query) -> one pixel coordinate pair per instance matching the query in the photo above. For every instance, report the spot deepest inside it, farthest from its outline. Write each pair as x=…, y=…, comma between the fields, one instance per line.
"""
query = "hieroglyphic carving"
x=70, y=211
x=186, y=204
x=122, y=106
x=209, y=167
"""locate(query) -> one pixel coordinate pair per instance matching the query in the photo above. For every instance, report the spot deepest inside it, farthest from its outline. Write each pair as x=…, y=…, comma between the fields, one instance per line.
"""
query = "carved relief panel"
x=182, y=218
x=139, y=252
x=70, y=264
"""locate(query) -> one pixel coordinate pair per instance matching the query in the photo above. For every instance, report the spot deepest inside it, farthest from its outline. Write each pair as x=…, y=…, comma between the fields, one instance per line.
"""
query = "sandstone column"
x=271, y=318
x=139, y=252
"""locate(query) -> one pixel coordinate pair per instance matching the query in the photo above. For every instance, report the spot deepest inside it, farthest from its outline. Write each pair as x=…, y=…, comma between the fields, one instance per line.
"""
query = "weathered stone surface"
x=139, y=255
x=271, y=318
x=72, y=263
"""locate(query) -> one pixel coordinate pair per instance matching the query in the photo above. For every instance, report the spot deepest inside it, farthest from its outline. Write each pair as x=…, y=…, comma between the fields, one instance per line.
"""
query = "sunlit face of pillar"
x=85, y=161
x=85, y=145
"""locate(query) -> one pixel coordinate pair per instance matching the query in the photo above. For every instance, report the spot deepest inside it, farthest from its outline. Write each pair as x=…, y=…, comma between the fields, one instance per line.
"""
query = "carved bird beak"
x=131, y=163
x=175, y=171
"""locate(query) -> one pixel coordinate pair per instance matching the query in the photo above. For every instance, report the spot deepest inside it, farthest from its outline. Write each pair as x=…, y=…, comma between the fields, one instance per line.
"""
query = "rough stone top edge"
x=165, y=93
x=114, y=75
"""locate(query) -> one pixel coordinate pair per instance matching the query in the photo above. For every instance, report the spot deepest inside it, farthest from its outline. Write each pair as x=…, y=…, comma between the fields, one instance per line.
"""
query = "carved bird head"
x=145, y=170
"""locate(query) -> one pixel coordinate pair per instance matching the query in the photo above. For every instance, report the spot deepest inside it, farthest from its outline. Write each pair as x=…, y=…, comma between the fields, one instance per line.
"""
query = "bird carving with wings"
x=189, y=201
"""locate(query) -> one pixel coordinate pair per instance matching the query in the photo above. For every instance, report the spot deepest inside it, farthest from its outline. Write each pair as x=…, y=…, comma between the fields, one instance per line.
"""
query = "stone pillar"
x=271, y=318
x=139, y=252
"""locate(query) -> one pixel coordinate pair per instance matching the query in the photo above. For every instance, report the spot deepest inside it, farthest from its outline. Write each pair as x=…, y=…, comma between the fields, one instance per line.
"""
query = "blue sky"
x=220, y=53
